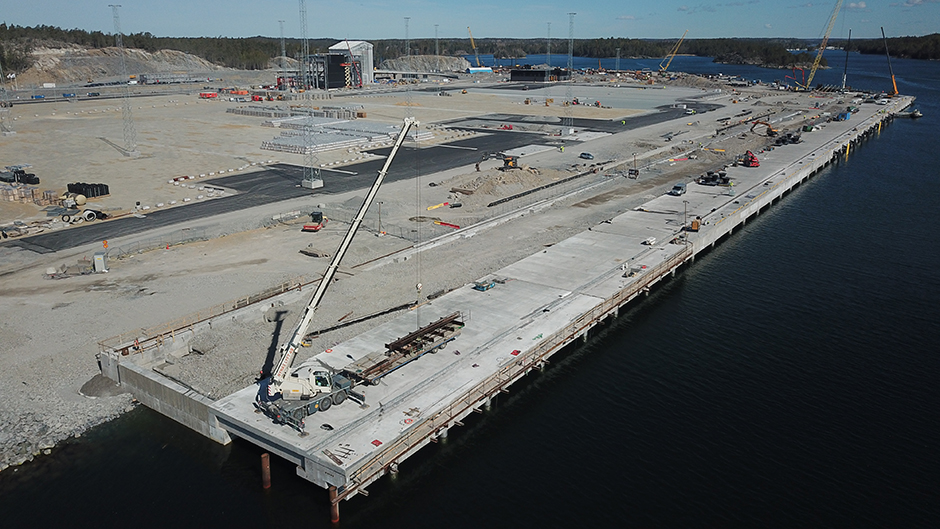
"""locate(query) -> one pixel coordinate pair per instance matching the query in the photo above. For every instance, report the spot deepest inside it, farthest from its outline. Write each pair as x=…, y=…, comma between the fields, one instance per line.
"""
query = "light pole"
x=380, y=217
x=685, y=218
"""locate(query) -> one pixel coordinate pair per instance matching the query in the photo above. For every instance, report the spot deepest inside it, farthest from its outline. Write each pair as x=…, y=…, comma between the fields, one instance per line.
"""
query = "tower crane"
x=474, y=46
x=667, y=60
x=822, y=46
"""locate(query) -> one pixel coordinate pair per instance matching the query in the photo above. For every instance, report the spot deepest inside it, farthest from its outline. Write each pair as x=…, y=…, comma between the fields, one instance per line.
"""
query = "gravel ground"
x=49, y=329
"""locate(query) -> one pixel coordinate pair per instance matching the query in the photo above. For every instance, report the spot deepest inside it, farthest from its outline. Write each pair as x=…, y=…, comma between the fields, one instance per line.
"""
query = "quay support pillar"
x=266, y=470
x=334, y=505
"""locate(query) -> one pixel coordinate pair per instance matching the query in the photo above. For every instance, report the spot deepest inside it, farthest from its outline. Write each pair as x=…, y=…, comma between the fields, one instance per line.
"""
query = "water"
x=787, y=379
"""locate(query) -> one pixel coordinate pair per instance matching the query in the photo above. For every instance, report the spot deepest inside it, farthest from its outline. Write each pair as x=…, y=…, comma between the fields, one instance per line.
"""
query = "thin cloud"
x=626, y=17
x=856, y=6
x=768, y=26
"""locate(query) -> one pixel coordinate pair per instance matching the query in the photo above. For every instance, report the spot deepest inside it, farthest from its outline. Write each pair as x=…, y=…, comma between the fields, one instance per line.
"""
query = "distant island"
x=253, y=53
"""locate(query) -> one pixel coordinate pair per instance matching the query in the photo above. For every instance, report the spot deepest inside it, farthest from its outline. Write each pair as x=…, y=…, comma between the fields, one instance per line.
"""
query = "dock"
x=539, y=306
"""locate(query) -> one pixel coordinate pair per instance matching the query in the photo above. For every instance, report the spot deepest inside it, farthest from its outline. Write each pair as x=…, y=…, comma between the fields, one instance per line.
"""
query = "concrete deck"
x=546, y=301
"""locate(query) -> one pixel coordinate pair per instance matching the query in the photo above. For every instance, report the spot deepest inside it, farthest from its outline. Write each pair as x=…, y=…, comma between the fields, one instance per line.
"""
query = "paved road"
x=665, y=113
x=282, y=182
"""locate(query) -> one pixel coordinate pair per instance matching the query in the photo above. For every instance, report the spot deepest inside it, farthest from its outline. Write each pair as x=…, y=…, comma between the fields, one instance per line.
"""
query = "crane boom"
x=672, y=54
x=822, y=45
x=890, y=69
x=474, y=46
x=289, y=349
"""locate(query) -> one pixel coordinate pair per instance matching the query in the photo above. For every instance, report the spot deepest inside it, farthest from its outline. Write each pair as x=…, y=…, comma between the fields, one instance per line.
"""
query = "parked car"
x=586, y=156
x=678, y=189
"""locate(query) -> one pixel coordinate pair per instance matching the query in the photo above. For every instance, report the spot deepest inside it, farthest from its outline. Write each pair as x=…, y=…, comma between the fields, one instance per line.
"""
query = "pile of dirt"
x=76, y=64
x=426, y=63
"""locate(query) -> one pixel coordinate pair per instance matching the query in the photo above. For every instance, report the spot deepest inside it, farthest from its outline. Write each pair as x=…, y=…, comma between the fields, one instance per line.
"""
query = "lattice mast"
x=568, y=120
x=130, y=134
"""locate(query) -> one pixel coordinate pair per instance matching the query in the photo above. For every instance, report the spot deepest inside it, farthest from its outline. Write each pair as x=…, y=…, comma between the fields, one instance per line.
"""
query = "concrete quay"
x=541, y=304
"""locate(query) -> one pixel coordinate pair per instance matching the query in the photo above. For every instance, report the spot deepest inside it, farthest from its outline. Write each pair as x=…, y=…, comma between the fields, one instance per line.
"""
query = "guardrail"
x=507, y=374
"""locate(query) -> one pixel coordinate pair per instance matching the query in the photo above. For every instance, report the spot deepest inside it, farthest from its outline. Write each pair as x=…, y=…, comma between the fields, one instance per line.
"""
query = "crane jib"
x=284, y=365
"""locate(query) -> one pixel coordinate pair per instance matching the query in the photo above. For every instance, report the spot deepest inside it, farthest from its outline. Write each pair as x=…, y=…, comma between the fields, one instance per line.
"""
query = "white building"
x=361, y=52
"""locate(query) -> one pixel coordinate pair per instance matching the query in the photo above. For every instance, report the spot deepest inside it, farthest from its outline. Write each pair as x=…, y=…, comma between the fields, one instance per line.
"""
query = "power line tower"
x=549, y=42
x=311, y=160
x=569, y=121
x=5, y=105
x=304, y=46
x=130, y=134
x=407, y=40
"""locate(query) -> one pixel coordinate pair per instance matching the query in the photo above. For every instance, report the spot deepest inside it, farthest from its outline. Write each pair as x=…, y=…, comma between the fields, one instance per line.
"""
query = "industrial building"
x=532, y=75
x=348, y=64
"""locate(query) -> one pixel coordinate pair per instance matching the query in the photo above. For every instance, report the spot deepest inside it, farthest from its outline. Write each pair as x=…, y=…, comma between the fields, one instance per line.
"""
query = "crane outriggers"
x=293, y=396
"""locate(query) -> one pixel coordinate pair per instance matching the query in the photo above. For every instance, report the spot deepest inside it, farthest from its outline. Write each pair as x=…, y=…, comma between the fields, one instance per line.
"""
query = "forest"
x=926, y=47
x=253, y=53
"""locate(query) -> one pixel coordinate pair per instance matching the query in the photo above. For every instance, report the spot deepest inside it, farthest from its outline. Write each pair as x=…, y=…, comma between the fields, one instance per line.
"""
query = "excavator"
x=306, y=390
x=771, y=132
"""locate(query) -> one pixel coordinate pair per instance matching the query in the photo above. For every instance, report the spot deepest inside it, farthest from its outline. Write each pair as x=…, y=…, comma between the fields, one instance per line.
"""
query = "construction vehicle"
x=890, y=69
x=291, y=396
x=483, y=286
x=748, y=159
x=509, y=162
x=771, y=132
x=317, y=221
x=667, y=60
x=476, y=54
x=822, y=47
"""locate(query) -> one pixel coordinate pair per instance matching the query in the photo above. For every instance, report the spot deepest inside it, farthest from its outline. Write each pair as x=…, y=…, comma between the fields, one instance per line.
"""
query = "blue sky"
x=378, y=19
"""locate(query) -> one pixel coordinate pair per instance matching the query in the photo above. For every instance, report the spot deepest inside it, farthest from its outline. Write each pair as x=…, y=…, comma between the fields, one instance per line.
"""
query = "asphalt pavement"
x=280, y=182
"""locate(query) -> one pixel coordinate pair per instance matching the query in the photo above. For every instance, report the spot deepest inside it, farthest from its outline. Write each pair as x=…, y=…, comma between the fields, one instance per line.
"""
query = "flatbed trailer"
x=430, y=338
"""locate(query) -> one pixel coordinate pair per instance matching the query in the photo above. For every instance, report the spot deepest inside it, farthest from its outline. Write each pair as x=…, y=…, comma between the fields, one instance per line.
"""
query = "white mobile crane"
x=319, y=389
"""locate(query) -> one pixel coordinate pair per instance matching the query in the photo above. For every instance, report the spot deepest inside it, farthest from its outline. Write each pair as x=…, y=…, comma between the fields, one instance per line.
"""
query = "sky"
x=385, y=19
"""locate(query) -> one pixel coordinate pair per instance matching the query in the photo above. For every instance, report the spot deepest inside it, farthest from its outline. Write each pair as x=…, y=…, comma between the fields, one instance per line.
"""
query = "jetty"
x=535, y=308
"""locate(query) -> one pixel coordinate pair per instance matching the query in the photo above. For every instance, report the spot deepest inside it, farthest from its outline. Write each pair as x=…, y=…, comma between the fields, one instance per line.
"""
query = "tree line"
x=926, y=47
x=251, y=53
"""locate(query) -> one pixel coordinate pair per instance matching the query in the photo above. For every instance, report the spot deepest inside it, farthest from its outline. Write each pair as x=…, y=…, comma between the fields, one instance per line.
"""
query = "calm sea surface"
x=787, y=379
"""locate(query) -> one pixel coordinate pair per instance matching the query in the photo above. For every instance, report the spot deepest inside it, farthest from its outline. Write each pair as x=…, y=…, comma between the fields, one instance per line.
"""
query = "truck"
x=333, y=390
x=293, y=395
